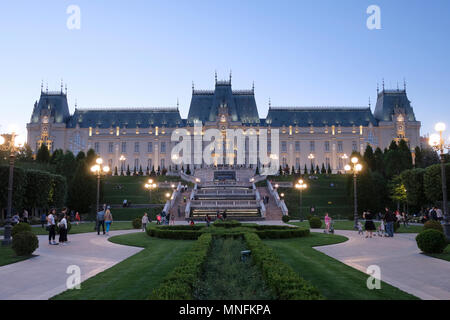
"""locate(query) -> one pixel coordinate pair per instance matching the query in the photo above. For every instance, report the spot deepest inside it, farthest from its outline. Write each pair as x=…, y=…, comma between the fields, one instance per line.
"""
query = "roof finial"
x=42, y=86
x=253, y=87
x=192, y=86
x=215, y=75
x=404, y=84
x=370, y=104
x=62, y=85
x=398, y=89
x=378, y=88
x=178, y=103
x=46, y=88
x=270, y=103
x=231, y=74
x=66, y=89
x=383, y=84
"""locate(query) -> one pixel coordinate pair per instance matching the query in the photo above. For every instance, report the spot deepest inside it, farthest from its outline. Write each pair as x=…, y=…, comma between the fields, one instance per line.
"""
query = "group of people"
x=266, y=199
x=59, y=221
x=104, y=219
x=433, y=213
x=386, y=227
x=165, y=218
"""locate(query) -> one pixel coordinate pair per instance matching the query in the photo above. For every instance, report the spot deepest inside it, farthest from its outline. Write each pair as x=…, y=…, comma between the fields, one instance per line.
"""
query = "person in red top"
x=77, y=218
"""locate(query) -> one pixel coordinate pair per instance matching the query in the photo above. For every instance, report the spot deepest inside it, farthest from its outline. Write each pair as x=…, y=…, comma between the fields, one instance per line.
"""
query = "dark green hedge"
x=179, y=284
x=283, y=234
x=285, y=282
x=227, y=223
x=177, y=234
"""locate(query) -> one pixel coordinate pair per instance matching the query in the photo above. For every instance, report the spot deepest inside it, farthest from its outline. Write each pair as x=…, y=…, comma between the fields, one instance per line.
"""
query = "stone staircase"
x=180, y=203
x=272, y=210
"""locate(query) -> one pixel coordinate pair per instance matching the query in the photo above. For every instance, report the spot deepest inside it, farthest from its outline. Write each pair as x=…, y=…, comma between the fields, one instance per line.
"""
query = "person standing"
x=439, y=214
x=51, y=227
x=25, y=215
x=77, y=217
x=100, y=220
x=208, y=220
x=369, y=225
x=390, y=219
x=172, y=219
x=108, y=220
x=327, y=222
x=144, y=221
x=62, y=225
x=43, y=219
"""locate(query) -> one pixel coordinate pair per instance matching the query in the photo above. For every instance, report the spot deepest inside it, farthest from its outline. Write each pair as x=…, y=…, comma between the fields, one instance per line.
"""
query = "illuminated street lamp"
x=354, y=168
x=150, y=186
x=437, y=142
x=14, y=144
x=122, y=160
x=301, y=186
x=98, y=169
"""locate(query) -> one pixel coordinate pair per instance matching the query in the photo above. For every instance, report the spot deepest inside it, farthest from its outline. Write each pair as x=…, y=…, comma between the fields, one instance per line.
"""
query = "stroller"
x=331, y=229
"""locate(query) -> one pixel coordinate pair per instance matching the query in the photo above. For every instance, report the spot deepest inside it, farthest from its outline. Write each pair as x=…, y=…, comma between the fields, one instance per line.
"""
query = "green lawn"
x=334, y=279
x=8, y=256
x=444, y=255
x=83, y=228
x=348, y=225
x=326, y=194
x=135, y=277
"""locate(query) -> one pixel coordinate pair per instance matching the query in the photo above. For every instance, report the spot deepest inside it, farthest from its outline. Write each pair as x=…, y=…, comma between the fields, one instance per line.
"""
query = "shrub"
x=25, y=243
x=179, y=284
x=285, y=283
x=20, y=227
x=315, y=223
x=283, y=234
x=137, y=223
x=431, y=241
x=436, y=225
x=285, y=219
x=227, y=223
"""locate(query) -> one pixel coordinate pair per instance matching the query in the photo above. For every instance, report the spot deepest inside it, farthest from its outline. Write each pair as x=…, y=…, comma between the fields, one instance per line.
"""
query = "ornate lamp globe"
x=347, y=168
x=2, y=140
x=358, y=167
x=434, y=140
x=355, y=160
x=106, y=169
x=99, y=161
x=440, y=127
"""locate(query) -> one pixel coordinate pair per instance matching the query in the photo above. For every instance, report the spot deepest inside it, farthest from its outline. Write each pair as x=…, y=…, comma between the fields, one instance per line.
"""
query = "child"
x=381, y=229
x=360, y=228
x=144, y=222
x=158, y=219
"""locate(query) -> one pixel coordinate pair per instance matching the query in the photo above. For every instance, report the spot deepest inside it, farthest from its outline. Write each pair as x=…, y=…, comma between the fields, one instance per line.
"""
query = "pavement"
x=45, y=275
x=400, y=261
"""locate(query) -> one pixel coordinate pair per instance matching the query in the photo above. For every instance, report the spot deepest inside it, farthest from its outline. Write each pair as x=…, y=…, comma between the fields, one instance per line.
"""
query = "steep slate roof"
x=130, y=118
x=241, y=104
x=388, y=100
x=56, y=103
x=319, y=116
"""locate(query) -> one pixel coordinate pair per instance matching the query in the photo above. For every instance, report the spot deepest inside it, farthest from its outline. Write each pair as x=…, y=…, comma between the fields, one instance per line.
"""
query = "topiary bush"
x=432, y=224
x=25, y=243
x=285, y=219
x=137, y=223
x=315, y=223
x=20, y=227
x=431, y=241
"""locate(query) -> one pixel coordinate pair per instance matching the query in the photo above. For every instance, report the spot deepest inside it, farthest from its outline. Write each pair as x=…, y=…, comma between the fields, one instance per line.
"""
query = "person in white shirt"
x=439, y=214
x=51, y=226
x=144, y=221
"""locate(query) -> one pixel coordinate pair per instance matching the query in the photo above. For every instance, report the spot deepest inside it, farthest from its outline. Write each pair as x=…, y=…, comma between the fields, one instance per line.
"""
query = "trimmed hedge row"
x=179, y=284
x=285, y=283
x=283, y=234
x=177, y=234
x=227, y=223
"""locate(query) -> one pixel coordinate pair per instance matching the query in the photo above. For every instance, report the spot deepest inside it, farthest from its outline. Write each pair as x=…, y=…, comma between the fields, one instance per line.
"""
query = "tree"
x=397, y=159
x=153, y=173
x=67, y=166
x=141, y=173
x=128, y=170
x=280, y=171
x=257, y=171
x=43, y=155
x=83, y=189
x=329, y=171
x=369, y=158
x=116, y=173
x=379, y=161
x=311, y=171
x=25, y=154
x=56, y=157
x=305, y=170
x=293, y=171
x=413, y=182
x=426, y=157
x=397, y=191
x=432, y=182
x=80, y=156
x=323, y=170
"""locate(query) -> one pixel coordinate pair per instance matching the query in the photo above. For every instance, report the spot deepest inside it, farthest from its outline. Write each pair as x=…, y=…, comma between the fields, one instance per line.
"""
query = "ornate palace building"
x=142, y=137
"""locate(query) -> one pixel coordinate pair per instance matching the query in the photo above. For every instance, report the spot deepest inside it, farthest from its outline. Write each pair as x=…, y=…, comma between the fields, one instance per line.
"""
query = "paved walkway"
x=43, y=276
x=401, y=263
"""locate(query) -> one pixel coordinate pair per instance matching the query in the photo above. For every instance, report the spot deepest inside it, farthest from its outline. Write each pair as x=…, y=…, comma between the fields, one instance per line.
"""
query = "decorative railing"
x=280, y=203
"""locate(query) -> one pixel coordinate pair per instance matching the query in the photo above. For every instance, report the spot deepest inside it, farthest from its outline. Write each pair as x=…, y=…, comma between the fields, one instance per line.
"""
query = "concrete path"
x=401, y=263
x=43, y=276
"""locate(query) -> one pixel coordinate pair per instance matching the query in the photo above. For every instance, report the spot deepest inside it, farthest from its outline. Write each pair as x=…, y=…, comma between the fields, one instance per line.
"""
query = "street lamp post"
x=354, y=168
x=438, y=143
x=301, y=186
x=149, y=186
x=311, y=157
x=122, y=162
x=98, y=169
x=11, y=146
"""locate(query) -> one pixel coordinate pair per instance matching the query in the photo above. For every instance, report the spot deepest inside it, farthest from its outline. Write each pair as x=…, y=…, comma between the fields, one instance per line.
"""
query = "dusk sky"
x=298, y=53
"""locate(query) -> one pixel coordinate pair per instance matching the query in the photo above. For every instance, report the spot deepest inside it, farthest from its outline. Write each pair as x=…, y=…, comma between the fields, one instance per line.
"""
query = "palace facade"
x=142, y=137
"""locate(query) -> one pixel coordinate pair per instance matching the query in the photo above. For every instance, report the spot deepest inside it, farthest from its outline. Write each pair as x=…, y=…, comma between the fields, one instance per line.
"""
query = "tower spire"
x=404, y=84
x=231, y=75
x=370, y=104
x=192, y=86
x=270, y=103
x=62, y=85
x=383, y=84
x=46, y=89
x=215, y=76
x=253, y=87
x=178, y=103
x=378, y=88
x=42, y=86
x=66, y=89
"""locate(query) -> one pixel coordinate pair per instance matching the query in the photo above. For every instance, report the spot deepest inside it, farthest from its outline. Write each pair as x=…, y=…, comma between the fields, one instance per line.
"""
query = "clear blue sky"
x=299, y=53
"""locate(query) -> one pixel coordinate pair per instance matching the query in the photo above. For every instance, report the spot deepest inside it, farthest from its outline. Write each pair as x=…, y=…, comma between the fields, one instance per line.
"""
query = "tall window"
x=163, y=147
x=149, y=164
x=354, y=146
x=284, y=162
x=163, y=163
x=297, y=146
x=269, y=146
x=136, y=163
x=312, y=146
x=297, y=163
x=111, y=147
x=283, y=146
x=340, y=146
x=150, y=147
x=327, y=163
x=341, y=165
x=97, y=147
x=110, y=163
x=124, y=147
x=327, y=146
x=136, y=147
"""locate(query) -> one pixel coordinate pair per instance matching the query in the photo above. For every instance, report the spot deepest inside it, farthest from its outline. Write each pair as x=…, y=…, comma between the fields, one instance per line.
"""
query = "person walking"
x=389, y=218
x=144, y=221
x=208, y=220
x=62, y=226
x=51, y=227
x=439, y=214
x=369, y=225
x=327, y=222
x=100, y=220
x=108, y=220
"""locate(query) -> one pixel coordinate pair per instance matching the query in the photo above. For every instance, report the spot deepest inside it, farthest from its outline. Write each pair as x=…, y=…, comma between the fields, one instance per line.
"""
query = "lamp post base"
x=446, y=227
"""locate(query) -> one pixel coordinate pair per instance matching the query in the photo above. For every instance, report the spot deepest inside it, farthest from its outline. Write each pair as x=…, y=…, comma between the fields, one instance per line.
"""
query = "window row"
x=124, y=147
